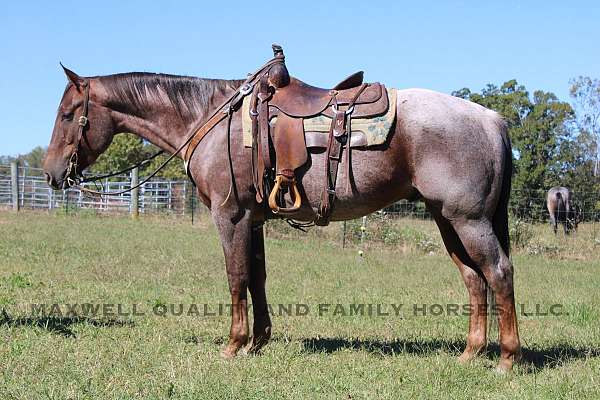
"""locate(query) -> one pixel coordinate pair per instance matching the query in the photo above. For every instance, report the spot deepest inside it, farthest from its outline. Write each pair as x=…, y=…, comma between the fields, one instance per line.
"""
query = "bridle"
x=72, y=176
x=199, y=131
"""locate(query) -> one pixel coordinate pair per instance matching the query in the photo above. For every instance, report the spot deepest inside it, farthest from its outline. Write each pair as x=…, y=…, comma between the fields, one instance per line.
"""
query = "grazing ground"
x=156, y=264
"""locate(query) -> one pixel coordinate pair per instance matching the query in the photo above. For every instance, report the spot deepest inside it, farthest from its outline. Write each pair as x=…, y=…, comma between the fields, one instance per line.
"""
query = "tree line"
x=554, y=143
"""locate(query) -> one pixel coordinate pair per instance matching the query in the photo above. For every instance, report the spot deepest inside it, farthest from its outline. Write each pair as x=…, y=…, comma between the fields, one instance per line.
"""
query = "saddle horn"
x=278, y=74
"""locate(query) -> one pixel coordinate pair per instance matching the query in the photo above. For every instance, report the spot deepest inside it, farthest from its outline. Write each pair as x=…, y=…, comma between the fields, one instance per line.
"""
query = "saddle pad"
x=373, y=131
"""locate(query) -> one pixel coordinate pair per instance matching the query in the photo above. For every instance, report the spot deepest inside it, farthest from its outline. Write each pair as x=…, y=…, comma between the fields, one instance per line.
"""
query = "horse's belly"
x=377, y=179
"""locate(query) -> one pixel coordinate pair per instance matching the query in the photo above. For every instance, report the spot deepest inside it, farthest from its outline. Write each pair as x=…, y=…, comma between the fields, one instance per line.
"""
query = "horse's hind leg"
x=261, y=330
x=483, y=247
x=476, y=285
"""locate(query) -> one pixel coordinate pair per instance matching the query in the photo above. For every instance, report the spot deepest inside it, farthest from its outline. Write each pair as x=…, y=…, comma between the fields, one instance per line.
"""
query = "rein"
x=200, y=130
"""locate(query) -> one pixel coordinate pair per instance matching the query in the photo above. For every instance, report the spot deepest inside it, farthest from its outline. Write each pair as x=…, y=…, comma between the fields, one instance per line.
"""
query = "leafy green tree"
x=173, y=170
x=127, y=149
x=33, y=159
x=585, y=93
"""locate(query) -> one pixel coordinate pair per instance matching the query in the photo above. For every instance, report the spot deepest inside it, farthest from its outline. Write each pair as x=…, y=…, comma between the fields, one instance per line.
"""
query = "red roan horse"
x=453, y=154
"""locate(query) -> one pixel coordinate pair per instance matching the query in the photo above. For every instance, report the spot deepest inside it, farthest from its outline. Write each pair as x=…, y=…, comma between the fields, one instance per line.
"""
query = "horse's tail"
x=500, y=218
x=560, y=205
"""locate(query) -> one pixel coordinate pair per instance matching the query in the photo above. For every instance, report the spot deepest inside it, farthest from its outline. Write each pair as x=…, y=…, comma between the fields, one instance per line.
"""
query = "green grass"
x=157, y=262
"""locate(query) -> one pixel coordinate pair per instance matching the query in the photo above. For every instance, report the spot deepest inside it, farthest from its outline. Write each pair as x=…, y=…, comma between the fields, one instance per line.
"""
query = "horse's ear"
x=72, y=76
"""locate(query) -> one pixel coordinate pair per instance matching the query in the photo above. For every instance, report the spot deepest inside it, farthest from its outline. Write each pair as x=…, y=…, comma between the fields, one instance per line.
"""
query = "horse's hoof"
x=504, y=367
x=227, y=354
x=465, y=358
x=246, y=350
x=252, y=349
x=469, y=355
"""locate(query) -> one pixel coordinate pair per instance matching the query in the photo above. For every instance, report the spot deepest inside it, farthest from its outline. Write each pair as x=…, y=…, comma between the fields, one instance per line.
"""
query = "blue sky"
x=442, y=46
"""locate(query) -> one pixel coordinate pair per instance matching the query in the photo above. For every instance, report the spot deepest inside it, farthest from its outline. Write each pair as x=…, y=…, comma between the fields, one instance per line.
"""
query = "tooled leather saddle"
x=278, y=106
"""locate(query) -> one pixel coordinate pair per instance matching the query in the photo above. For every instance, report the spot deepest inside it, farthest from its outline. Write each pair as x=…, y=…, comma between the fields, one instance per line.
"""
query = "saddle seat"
x=301, y=100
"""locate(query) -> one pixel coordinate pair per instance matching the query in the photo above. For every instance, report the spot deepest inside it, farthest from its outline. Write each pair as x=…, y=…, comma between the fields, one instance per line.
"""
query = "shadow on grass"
x=533, y=359
x=59, y=325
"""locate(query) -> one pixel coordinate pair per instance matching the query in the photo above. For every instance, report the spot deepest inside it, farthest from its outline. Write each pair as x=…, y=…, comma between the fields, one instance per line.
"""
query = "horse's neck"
x=159, y=123
x=165, y=131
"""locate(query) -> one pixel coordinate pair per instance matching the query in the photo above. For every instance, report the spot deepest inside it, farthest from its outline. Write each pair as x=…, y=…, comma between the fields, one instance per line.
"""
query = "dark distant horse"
x=452, y=153
x=560, y=206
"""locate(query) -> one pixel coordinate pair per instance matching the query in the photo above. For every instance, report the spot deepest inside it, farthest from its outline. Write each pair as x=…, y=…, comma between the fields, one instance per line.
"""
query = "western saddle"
x=281, y=149
x=279, y=104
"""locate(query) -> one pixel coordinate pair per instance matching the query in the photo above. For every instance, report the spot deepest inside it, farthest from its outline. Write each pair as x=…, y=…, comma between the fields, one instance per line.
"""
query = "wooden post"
x=193, y=201
x=134, y=210
x=14, y=184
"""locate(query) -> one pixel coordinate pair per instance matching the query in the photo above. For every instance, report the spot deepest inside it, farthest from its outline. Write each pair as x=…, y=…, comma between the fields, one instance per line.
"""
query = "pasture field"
x=155, y=264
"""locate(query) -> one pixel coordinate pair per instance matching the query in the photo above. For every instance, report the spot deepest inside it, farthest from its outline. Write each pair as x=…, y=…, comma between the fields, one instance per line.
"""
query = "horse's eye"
x=67, y=116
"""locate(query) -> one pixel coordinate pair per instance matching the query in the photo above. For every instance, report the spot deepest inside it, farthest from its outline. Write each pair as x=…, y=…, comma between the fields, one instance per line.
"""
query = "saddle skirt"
x=366, y=132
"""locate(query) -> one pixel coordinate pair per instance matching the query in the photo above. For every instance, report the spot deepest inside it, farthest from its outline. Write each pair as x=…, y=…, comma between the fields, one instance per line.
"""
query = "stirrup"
x=279, y=179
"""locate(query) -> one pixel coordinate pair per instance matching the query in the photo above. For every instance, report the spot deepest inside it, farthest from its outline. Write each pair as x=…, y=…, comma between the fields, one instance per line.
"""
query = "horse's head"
x=83, y=129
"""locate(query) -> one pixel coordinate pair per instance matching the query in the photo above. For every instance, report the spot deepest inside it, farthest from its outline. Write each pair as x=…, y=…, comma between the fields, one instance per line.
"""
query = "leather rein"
x=200, y=130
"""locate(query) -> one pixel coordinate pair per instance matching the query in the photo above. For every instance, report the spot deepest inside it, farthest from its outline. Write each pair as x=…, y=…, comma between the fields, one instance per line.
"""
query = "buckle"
x=246, y=89
x=83, y=120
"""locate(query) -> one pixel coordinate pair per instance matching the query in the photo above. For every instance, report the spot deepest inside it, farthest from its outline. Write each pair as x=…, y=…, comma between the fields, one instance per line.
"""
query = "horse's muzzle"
x=55, y=183
x=51, y=181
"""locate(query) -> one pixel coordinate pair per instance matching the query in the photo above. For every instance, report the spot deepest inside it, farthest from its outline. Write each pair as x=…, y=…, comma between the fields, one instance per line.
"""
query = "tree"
x=127, y=149
x=173, y=170
x=33, y=159
x=585, y=93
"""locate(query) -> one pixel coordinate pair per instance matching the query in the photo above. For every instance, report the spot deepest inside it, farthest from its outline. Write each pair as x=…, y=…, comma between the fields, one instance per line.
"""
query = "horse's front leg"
x=261, y=329
x=236, y=241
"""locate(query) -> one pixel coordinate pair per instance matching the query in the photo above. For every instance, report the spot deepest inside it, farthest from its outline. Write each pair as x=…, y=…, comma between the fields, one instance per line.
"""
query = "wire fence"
x=177, y=197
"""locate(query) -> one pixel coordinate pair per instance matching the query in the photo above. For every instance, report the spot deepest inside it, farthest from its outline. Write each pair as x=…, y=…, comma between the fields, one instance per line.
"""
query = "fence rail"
x=177, y=197
x=157, y=195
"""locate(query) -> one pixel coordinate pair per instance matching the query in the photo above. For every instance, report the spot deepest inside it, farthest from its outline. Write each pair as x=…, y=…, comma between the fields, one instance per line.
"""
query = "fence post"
x=14, y=184
x=363, y=229
x=193, y=201
x=134, y=210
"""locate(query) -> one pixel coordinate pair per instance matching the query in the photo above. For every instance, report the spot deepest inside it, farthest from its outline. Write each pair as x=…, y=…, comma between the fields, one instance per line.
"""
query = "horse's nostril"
x=50, y=179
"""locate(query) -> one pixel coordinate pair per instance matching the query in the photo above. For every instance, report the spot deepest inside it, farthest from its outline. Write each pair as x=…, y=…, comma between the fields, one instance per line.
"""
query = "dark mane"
x=189, y=96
